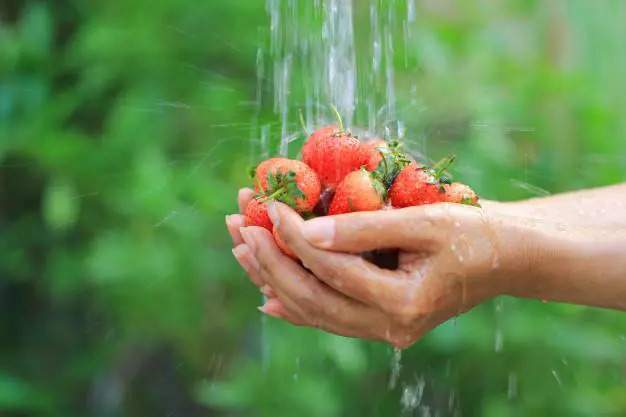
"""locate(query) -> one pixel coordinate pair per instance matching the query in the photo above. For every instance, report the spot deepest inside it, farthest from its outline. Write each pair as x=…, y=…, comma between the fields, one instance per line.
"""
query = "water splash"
x=512, y=386
x=396, y=367
x=412, y=395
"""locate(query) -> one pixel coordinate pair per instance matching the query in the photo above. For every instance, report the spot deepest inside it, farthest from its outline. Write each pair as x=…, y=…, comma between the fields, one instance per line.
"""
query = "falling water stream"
x=313, y=61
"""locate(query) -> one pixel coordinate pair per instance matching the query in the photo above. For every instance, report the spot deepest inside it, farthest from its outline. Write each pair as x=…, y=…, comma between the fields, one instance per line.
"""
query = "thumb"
x=411, y=229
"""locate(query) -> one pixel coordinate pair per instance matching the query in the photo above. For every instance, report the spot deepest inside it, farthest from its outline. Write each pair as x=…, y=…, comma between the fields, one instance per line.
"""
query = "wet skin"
x=452, y=258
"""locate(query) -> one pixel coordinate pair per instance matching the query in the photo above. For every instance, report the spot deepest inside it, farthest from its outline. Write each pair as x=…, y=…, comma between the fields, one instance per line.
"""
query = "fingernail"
x=245, y=234
x=263, y=310
x=272, y=212
x=319, y=232
x=271, y=308
x=227, y=220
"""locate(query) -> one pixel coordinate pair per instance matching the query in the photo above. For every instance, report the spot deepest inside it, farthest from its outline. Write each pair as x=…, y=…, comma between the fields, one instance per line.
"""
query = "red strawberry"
x=333, y=153
x=461, y=194
x=256, y=214
x=289, y=181
x=263, y=169
x=415, y=186
x=282, y=246
x=359, y=191
x=374, y=156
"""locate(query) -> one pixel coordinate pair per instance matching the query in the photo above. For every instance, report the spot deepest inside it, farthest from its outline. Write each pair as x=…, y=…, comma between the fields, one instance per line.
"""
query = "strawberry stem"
x=306, y=132
x=339, y=120
x=274, y=195
x=386, y=171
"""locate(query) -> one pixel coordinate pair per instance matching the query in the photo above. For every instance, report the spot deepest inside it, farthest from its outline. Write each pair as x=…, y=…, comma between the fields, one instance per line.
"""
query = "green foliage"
x=126, y=127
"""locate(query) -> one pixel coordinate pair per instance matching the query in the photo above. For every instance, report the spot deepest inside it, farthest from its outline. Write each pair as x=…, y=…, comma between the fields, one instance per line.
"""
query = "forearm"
x=579, y=266
x=603, y=207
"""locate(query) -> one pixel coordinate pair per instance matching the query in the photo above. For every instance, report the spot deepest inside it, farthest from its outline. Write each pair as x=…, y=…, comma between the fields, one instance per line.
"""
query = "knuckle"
x=337, y=309
x=308, y=303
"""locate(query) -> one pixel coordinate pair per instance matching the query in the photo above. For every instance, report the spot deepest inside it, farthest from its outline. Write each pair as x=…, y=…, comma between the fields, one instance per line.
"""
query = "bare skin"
x=452, y=258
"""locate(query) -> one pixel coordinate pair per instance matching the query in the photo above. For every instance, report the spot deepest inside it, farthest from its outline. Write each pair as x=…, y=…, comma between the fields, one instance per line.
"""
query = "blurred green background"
x=126, y=127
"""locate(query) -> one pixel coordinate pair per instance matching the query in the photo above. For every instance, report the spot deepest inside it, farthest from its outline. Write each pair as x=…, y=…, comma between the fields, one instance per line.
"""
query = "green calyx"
x=440, y=168
x=470, y=202
x=440, y=176
x=281, y=187
x=393, y=161
x=252, y=172
x=377, y=182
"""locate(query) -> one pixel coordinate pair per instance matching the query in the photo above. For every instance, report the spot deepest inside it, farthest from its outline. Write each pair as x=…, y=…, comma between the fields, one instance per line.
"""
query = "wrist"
x=575, y=265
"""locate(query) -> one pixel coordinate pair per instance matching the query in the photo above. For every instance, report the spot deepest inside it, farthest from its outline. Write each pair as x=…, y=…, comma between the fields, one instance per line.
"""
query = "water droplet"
x=512, y=387
x=499, y=341
x=411, y=13
x=295, y=374
x=499, y=335
x=556, y=376
x=451, y=400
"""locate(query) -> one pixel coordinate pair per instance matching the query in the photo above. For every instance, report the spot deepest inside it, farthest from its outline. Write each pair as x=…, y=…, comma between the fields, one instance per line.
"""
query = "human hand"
x=451, y=259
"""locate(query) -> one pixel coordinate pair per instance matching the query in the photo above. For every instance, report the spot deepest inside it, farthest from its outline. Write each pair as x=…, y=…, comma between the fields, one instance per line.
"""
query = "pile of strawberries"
x=341, y=174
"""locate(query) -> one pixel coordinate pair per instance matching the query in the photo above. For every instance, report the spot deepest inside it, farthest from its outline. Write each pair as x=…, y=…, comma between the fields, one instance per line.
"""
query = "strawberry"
x=359, y=191
x=333, y=153
x=461, y=194
x=415, y=186
x=256, y=214
x=263, y=169
x=373, y=149
x=289, y=181
x=282, y=246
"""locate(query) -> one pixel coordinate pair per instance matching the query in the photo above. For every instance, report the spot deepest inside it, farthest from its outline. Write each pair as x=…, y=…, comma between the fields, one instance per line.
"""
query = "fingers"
x=412, y=228
x=234, y=223
x=275, y=308
x=243, y=199
x=348, y=274
x=246, y=259
x=308, y=300
x=237, y=221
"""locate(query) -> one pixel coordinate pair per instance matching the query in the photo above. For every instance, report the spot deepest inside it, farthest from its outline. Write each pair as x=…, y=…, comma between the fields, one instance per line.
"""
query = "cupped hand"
x=451, y=258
